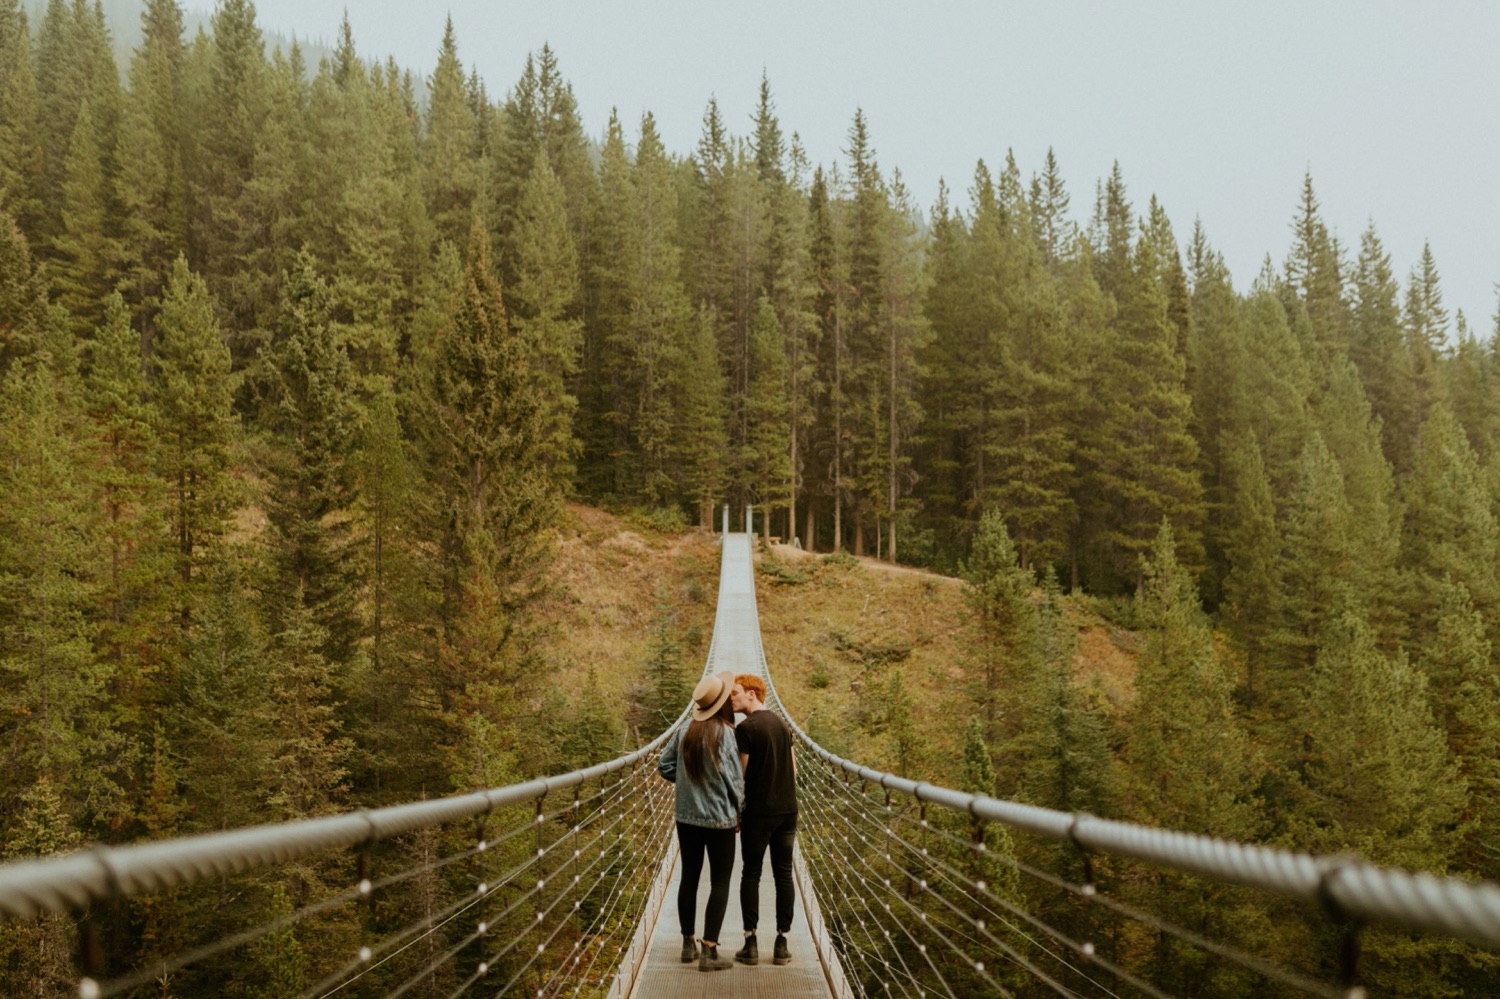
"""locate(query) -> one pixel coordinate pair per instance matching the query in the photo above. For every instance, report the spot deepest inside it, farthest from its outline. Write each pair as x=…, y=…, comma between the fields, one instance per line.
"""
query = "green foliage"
x=667, y=687
x=1062, y=750
x=307, y=253
x=192, y=393
x=1002, y=619
x=1189, y=754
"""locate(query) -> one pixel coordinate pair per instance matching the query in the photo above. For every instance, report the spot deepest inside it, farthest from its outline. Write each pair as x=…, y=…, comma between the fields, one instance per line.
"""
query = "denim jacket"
x=716, y=801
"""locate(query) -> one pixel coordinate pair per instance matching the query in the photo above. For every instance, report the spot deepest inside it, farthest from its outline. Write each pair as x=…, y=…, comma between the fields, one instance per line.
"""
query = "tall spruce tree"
x=450, y=153
x=1062, y=749
x=1252, y=585
x=192, y=395
x=51, y=680
x=701, y=438
x=1002, y=621
x=23, y=297
x=1450, y=532
x=1378, y=348
x=545, y=290
x=312, y=417
x=18, y=118
x=1191, y=763
x=1460, y=666
x=1142, y=458
x=657, y=314
x=767, y=456
x=496, y=500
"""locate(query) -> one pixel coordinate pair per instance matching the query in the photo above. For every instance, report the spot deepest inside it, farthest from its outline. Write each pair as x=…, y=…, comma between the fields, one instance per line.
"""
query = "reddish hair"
x=752, y=682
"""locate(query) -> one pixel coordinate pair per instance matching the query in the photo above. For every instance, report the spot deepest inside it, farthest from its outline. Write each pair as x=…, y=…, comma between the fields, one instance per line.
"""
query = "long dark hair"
x=701, y=740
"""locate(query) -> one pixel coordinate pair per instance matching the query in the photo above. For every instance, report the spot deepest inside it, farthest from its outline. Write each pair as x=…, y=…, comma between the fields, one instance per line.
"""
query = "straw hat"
x=710, y=695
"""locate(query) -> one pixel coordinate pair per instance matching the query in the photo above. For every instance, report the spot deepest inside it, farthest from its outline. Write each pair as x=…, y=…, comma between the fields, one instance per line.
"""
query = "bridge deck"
x=736, y=647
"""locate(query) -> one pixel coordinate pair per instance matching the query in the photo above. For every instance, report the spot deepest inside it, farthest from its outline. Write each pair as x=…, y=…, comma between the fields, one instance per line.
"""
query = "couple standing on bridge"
x=733, y=779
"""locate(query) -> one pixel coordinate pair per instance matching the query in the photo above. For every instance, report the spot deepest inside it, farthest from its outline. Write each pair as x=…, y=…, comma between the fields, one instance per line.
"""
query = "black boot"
x=689, y=950
x=781, y=955
x=748, y=954
x=710, y=960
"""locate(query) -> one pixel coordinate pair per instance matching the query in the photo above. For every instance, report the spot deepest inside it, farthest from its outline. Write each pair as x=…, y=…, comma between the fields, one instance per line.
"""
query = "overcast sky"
x=1393, y=107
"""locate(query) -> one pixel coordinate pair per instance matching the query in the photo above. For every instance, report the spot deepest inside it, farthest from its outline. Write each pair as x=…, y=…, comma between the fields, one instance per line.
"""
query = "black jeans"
x=756, y=833
x=694, y=841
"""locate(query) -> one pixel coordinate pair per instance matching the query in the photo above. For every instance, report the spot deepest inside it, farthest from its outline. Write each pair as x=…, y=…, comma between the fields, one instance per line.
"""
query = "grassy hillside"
x=837, y=630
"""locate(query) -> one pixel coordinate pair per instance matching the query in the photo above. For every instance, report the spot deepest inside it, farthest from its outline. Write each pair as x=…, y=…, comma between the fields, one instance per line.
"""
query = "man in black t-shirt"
x=770, y=815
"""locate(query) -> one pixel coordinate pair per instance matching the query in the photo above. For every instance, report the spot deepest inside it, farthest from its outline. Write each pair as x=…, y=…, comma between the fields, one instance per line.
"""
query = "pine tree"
x=539, y=118
x=994, y=869
x=997, y=593
x=1426, y=328
x=767, y=457
x=657, y=314
x=381, y=233
x=133, y=542
x=74, y=66
x=1191, y=761
x=1063, y=755
x=152, y=189
x=390, y=719
x=603, y=417
x=1318, y=569
x=700, y=435
x=230, y=103
x=1049, y=211
x=495, y=500
x=219, y=705
x=312, y=417
x=38, y=954
x=1314, y=271
x=450, y=145
x=1450, y=530
x=1252, y=586
x=1378, y=348
x=1142, y=458
x=23, y=297
x=272, y=218
x=308, y=754
x=192, y=394
x=19, y=139
x=829, y=262
x=84, y=254
x=903, y=333
x=666, y=687
x=51, y=680
x=545, y=289
x=1377, y=772
x=1354, y=440
x=1460, y=666
x=1472, y=390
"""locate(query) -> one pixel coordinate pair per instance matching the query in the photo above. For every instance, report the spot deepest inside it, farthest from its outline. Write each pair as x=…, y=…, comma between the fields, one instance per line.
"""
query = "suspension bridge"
x=564, y=886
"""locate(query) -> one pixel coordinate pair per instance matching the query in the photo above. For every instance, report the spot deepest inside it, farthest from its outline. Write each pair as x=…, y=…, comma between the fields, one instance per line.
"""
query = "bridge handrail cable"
x=67, y=883
x=1350, y=889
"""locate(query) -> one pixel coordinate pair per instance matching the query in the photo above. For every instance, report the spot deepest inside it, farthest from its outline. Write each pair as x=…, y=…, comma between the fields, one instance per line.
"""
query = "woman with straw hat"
x=703, y=761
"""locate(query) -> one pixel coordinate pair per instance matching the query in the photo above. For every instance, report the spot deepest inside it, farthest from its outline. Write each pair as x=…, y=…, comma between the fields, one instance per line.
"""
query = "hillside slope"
x=838, y=632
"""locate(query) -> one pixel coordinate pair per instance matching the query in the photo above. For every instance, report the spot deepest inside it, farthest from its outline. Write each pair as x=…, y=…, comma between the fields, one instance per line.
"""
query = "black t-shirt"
x=770, y=784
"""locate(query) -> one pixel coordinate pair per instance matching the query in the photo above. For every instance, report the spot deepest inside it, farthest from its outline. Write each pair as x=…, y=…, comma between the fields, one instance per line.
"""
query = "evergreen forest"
x=299, y=365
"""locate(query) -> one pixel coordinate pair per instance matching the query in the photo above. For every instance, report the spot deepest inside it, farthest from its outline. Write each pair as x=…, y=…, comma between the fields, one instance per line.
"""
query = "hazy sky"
x=1395, y=108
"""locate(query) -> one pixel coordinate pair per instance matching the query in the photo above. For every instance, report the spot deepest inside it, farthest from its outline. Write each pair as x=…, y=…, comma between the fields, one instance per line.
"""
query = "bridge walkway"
x=736, y=647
